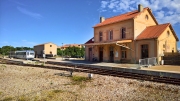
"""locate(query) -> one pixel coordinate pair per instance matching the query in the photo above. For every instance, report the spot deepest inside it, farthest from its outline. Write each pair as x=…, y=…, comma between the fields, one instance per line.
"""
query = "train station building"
x=129, y=37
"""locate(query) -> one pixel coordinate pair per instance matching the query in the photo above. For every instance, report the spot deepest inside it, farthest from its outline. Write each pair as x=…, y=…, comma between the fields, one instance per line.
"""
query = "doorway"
x=90, y=54
x=100, y=54
x=111, y=55
x=144, y=51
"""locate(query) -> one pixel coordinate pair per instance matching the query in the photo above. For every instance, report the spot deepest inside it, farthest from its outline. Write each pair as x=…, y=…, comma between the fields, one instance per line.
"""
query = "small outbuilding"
x=49, y=49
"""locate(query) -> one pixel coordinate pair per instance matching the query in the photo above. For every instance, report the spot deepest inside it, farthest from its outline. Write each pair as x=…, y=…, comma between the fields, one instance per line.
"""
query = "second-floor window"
x=110, y=35
x=123, y=33
x=100, y=36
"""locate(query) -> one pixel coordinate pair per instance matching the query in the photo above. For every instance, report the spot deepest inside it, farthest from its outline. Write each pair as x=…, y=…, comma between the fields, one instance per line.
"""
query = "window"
x=31, y=53
x=110, y=35
x=50, y=45
x=100, y=36
x=50, y=52
x=123, y=52
x=164, y=46
x=168, y=33
x=146, y=17
x=123, y=33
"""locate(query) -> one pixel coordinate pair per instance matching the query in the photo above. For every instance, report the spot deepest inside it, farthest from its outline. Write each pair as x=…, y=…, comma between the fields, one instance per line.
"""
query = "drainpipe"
x=125, y=47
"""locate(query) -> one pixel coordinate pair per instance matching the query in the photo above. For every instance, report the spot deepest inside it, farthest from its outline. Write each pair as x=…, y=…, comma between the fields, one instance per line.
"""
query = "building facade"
x=49, y=49
x=129, y=37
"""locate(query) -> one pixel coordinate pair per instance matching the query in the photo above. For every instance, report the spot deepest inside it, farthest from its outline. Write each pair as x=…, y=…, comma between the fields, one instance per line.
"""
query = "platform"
x=161, y=70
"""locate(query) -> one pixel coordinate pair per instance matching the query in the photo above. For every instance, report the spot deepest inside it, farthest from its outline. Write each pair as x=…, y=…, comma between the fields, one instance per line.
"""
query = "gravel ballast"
x=31, y=83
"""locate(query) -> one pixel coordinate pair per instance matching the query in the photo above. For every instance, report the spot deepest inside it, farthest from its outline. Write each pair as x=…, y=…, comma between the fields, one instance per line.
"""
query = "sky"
x=30, y=22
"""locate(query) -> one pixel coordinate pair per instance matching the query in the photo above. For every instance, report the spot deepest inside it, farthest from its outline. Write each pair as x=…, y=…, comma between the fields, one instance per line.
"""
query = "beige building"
x=49, y=49
x=129, y=37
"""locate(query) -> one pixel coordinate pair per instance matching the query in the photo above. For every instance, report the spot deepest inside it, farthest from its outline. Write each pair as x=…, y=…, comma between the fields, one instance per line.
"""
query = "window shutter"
x=124, y=32
x=106, y=35
x=121, y=33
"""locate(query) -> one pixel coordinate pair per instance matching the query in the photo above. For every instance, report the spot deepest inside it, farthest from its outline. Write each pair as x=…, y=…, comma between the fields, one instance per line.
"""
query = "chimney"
x=102, y=19
x=140, y=8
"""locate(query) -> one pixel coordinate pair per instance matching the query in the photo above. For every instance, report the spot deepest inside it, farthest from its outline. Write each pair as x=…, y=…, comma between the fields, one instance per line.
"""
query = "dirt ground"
x=167, y=68
x=22, y=83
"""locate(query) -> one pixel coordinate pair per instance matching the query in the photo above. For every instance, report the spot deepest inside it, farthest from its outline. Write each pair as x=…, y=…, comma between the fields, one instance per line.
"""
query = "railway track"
x=100, y=71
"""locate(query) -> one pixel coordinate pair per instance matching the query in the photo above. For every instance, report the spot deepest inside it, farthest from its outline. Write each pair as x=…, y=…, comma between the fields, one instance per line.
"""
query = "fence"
x=148, y=62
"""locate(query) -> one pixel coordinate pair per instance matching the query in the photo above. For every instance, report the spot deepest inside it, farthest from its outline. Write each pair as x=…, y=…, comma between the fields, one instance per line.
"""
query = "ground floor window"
x=123, y=52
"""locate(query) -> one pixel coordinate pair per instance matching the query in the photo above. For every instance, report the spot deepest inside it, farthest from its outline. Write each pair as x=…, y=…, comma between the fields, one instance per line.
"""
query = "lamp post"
x=62, y=51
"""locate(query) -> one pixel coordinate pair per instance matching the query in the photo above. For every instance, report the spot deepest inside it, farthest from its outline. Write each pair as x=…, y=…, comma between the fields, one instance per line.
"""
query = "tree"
x=82, y=52
x=6, y=49
x=74, y=52
x=59, y=52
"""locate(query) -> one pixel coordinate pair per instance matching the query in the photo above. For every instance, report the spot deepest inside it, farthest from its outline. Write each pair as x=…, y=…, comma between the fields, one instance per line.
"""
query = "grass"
x=79, y=79
x=58, y=91
x=3, y=66
x=23, y=98
x=7, y=99
x=1, y=93
x=36, y=63
x=42, y=64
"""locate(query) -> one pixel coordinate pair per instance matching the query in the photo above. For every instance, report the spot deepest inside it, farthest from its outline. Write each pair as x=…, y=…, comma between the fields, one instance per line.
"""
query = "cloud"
x=164, y=10
x=104, y=4
x=29, y=13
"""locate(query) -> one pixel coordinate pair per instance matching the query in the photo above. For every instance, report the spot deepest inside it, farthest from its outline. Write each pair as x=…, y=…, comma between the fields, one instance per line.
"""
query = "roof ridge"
x=120, y=17
x=126, y=13
x=121, y=14
x=160, y=25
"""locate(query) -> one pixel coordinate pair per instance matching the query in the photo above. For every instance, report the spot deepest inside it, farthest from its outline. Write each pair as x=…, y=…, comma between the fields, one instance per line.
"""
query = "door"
x=90, y=54
x=100, y=54
x=144, y=51
x=111, y=55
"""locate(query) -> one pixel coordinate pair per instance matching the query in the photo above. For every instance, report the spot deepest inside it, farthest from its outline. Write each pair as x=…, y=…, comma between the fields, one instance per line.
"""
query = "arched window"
x=123, y=33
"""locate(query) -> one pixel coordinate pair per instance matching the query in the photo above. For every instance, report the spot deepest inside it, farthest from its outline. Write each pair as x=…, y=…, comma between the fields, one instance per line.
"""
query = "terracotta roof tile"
x=152, y=31
x=90, y=41
x=119, y=18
